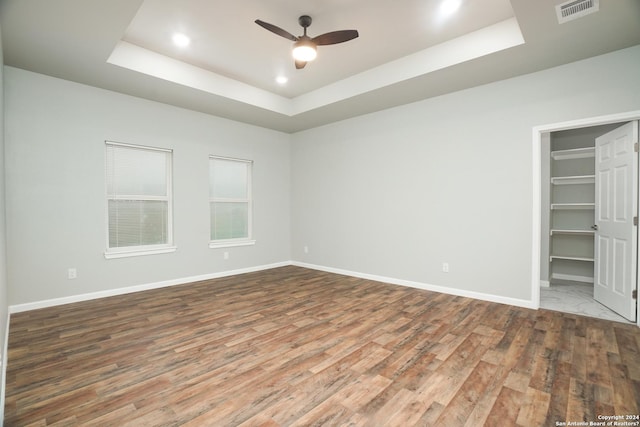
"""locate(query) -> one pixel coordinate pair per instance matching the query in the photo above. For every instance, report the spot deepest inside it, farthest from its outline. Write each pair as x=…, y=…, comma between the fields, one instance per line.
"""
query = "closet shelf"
x=573, y=206
x=577, y=153
x=571, y=258
x=573, y=180
x=572, y=277
x=571, y=185
x=573, y=232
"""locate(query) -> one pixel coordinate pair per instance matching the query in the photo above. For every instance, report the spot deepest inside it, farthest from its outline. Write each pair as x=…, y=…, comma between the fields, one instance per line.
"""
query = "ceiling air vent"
x=575, y=9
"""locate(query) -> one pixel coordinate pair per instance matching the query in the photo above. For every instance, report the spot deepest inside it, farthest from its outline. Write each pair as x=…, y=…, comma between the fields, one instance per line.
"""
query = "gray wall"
x=56, y=215
x=3, y=253
x=449, y=179
x=394, y=194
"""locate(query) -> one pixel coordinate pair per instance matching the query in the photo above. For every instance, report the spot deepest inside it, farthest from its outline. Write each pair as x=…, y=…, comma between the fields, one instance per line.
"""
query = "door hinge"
x=635, y=220
x=634, y=294
x=635, y=147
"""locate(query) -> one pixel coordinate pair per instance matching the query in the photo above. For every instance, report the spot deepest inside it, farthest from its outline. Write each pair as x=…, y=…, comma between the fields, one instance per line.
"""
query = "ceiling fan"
x=304, y=48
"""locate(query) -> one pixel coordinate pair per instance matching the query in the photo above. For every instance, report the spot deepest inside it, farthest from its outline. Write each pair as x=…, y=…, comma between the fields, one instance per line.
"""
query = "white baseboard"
x=425, y=286
x=545, y=284
x=137, y=288
x=5, y=358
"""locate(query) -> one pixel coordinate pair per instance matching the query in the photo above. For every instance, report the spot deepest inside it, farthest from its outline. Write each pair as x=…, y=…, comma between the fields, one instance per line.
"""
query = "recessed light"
x=448, y=7
x=281, y=80
x=181, y=40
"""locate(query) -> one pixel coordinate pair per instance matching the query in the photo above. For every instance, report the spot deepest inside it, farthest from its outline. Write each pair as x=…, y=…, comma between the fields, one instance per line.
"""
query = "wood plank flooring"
x=293, y=347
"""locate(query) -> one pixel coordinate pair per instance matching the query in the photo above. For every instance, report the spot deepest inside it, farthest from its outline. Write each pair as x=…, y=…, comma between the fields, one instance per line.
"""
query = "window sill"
x=140, y=252
x=231, y=243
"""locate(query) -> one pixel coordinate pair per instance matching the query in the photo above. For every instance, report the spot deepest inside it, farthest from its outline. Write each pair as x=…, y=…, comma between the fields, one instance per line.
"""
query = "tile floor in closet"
x=576, y=298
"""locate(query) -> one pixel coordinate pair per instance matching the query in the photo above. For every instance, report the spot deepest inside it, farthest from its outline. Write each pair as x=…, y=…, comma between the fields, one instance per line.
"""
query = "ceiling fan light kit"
x=304, y=50
x=305, y=47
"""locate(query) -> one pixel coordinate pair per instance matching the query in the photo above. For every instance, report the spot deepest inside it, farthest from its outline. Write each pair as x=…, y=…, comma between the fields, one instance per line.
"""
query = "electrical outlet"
x=226, y=255
x=306, y=249
x=72, y=273
x=445, y=267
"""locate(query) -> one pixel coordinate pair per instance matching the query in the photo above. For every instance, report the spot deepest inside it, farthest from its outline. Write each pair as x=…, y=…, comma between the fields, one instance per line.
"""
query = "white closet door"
x=616, y=206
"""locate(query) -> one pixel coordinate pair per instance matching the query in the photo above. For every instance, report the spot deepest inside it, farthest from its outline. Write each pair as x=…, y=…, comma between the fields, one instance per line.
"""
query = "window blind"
x=230, y=198
x=138, y=196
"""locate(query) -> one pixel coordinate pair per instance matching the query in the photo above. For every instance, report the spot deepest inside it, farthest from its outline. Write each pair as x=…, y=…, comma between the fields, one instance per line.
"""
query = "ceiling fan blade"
x=300, y=64
x=335, y=37
x=276, y=30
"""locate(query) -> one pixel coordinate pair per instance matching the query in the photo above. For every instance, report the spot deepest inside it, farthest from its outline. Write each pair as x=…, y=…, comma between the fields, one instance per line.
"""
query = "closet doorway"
x=589, y=202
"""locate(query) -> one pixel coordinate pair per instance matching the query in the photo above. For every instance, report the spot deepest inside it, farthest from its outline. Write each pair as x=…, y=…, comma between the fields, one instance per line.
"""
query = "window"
x=138, y=200
x=230, y=201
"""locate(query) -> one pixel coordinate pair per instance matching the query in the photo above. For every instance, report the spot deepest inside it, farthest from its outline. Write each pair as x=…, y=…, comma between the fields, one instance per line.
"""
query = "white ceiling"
x=407, y=50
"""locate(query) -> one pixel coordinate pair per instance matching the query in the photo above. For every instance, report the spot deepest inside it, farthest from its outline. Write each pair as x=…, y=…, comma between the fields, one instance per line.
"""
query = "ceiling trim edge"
x=485, y=41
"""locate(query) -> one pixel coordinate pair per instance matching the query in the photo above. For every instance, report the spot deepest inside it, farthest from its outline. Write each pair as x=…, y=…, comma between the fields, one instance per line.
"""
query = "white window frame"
x=242, y=241
x=130, y=251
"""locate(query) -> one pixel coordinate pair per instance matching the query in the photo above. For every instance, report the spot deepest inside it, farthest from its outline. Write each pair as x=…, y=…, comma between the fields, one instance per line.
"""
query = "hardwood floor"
x=293, y=347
